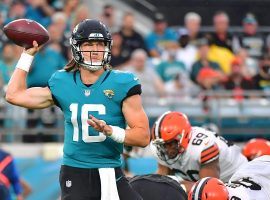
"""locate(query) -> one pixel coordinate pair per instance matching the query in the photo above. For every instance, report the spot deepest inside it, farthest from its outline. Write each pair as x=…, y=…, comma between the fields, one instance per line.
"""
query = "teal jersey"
x=84, y=147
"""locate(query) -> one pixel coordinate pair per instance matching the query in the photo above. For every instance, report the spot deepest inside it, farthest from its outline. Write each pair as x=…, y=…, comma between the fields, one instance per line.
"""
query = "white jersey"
x=203, y=148
x=251, y=181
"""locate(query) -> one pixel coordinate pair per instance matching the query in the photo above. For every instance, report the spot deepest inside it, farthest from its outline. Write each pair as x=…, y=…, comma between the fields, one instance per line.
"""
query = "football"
x=24, y=31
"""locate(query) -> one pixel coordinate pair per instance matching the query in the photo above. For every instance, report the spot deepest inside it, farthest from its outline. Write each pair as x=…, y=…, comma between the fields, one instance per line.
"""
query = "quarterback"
x=97, y=103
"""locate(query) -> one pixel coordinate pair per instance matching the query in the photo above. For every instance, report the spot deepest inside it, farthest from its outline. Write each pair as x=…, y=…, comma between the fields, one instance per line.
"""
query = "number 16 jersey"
x=84, y=147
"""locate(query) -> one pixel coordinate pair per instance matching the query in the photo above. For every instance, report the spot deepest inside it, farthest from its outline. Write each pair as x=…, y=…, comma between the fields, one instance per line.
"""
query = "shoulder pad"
x=124, y=77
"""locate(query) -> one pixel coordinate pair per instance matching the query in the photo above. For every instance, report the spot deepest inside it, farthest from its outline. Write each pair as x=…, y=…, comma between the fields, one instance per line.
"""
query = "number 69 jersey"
x=84, y=147
x=251, y=181
x=203, y=148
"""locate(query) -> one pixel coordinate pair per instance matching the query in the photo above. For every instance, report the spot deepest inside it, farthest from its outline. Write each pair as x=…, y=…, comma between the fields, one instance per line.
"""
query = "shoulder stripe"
x=210, y=160
x=210, y=156
x=210, y=149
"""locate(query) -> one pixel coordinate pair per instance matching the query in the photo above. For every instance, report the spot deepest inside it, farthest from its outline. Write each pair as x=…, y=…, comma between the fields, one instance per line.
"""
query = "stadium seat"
x=225, y=108
x=256, y=108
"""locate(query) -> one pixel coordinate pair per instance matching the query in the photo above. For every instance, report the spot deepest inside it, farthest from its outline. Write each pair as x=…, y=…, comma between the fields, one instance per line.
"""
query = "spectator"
x=40, y=11
x=187, y=52
x=204, y=72
x=221, y=42
x=17, y=11
x=251, y=64
x=69, y=10
x=152, y=87
x=250, y=39
x=237, y=81
x=162, y=37
x=81, y=13
x=192, y=22
x=119, y=55
x=108, y=17
x=221, y=37
x=59, y=20
x=168, y=69
x=3, y=38
x=56, y=36
x=7, y=63
x=262, y=79
x=181, y=88
x=14, y=115
x=4, y=8
x=9, y=177
x=131, y=39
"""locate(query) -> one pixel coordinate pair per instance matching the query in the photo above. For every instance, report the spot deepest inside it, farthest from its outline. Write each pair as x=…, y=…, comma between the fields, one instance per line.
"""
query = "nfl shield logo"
x=87, y=93
x=68, y=183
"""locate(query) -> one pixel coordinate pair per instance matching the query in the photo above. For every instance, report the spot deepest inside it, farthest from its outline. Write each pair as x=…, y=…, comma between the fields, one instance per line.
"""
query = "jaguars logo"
x=109, y=93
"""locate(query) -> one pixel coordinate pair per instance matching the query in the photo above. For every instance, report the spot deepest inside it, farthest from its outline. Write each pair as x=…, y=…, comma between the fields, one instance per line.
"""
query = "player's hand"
x=33, y=50
x=100, y=125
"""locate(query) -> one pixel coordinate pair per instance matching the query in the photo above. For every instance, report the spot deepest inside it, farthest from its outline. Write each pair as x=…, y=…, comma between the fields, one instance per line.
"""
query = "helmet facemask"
x=169, y=156
x=91, y=30
x=90, y=65
x=171, y=134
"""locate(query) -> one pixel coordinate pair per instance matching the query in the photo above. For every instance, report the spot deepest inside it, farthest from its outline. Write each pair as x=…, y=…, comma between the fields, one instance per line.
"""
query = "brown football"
x=24, y=31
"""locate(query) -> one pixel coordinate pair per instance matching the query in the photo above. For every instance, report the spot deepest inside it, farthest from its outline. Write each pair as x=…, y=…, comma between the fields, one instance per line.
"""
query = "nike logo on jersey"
x=87, y=93
x=136, y=78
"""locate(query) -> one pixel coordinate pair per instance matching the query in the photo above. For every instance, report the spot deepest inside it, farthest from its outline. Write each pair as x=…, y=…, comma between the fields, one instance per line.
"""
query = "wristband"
x=25, y=62
x=118, y=134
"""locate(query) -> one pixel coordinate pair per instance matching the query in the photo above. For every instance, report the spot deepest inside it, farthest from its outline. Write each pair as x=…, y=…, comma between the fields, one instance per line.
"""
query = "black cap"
x=159, y=17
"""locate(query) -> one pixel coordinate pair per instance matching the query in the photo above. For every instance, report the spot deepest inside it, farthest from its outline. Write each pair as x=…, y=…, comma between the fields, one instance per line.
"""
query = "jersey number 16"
x=86, y=108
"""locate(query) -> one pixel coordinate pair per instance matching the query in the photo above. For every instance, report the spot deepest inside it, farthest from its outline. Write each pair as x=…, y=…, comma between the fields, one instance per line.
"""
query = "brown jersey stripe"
x=210, y=160
x=213, y=150
x=209, y=150
x=210, y=156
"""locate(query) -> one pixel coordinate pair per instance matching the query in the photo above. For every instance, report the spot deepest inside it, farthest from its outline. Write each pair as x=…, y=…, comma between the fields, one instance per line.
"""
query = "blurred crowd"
x=173, y=62
x=182, y=61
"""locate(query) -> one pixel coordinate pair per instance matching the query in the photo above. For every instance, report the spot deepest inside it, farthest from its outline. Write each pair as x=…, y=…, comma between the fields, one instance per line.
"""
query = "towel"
x=108, y=184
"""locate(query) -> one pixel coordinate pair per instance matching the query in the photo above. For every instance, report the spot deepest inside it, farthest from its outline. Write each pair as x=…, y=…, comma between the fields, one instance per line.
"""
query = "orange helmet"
x=255, y=148
x=209, y=189
x=171, y=126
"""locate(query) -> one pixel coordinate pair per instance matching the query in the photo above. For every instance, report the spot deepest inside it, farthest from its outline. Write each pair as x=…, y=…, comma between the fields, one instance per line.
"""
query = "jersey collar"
x=79, y=82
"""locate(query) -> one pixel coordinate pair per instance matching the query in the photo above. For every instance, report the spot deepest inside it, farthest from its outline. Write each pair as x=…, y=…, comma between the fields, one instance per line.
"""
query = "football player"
x=256, y=147
x=250, y=182
x=157, y=187
x=97, y=103
x=190, y=152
